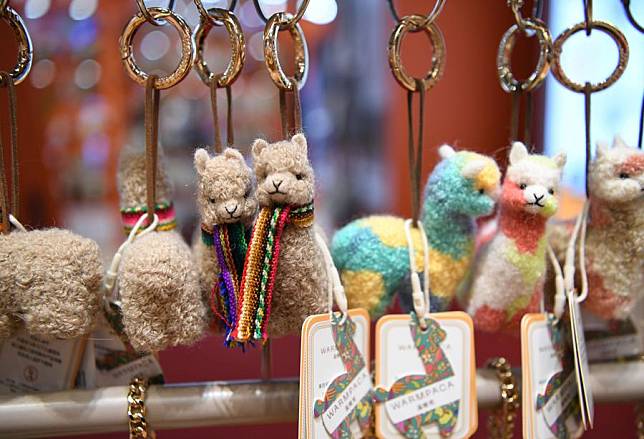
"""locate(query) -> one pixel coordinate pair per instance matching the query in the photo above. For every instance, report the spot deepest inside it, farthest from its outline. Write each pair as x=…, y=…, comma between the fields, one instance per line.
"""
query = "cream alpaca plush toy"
x=227, y=206
x=158, y=282
x=615, y=231
x=284, y=275
x=509, y=270
x=50, y=281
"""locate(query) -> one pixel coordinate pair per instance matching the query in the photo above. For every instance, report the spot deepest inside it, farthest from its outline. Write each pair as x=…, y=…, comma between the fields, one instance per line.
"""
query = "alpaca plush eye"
x=481, y=191
x=299, y=176
x=247, y=193
x=551, y=191
x=212, y=200
x=522, y=186
x=624, y=176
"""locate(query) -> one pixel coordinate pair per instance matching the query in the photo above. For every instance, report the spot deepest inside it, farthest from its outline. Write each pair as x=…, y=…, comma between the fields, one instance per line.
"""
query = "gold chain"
x=136, y=410
x=501, y=421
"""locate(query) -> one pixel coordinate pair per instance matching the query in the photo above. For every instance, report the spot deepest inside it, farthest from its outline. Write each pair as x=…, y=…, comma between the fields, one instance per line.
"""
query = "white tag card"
x=335, y=384
x=549, y=396
x=581, y=361
x=425, y=379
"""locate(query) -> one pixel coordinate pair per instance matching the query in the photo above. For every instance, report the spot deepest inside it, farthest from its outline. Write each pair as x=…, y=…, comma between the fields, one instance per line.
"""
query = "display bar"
x=231, y=403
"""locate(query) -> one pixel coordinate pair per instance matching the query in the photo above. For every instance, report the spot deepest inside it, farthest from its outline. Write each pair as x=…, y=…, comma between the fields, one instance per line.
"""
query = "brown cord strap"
x=415, y=163
x=230, y=139
x=290, y=111
x=587, y=93
x=151, y=142
x=515, y=119
x=7, y=209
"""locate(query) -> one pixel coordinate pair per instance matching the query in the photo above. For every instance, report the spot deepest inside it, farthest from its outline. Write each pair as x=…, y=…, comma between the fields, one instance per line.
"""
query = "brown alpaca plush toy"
x=158, y=282
x=284, y=278
x=50, y=281
x=227, y=206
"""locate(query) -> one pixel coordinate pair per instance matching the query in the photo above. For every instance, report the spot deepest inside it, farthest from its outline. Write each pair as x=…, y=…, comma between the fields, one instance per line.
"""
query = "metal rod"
x=232, y=403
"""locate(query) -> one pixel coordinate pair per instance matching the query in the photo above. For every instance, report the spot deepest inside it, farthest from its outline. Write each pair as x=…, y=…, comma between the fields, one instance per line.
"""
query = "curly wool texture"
x=285, y=176
x=50, y=282
x=509, y=270
x=225, y=195
x=615, y=233
x=158, y=282
x=371, y=253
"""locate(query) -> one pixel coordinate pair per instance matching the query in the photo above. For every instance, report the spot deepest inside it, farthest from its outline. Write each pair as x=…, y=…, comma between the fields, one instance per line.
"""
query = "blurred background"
x=78, y=108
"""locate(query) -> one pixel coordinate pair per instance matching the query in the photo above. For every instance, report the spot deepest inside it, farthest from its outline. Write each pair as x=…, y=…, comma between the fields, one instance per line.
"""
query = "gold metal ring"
x=237, y=46
x=622, y=61
x=25, y=48
x=503, y=58
x=271, y=52
x=187, y=48
x=416, y=23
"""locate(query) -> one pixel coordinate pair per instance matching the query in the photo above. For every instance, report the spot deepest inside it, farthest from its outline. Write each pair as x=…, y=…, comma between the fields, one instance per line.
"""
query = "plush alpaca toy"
x=615, y=231
x=371, y=253
x=158, y=283
x=50, y=281
x=227, y=207
x=284, y=276
x=509, y=270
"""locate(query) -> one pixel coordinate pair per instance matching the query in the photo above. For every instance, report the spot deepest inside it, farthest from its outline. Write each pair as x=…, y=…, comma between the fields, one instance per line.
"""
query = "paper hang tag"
x=550, y=404
x=581, y=361
x=611, y=341
x=34, y=364
x=336, y=393
x=425, y=379
x=112, y=361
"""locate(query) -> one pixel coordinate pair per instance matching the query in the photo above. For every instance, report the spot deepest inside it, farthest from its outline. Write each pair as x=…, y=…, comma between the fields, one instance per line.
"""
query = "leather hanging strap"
x=151, y=142
x=415, y=157
x=290, y=112
x=6, y=209
x=230, y=139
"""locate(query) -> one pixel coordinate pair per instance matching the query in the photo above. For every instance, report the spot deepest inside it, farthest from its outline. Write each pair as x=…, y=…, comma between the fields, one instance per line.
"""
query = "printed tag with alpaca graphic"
x=425, y=379
x=336, y=393
x=550, y=403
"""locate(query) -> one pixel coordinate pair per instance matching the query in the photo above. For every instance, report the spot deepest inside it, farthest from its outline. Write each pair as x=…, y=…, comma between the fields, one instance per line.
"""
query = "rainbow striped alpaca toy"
x=371, y=253
x=615, y=234
x=509, y=269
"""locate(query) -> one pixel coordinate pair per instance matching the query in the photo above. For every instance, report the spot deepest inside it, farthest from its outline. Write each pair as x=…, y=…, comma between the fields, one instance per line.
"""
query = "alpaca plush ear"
x=473, y=168
x=446, y=151
x=518, y=152
x=300, y=141
x=232, y=153
x=201, y=158
x=602, y=148
x=258, y=146
x=618, y=141
x=560, y=160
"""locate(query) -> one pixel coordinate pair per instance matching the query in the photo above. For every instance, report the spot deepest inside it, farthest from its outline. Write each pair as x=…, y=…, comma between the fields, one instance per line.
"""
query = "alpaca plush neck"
x=618, y=219
x=448, y=232
x=525, y=229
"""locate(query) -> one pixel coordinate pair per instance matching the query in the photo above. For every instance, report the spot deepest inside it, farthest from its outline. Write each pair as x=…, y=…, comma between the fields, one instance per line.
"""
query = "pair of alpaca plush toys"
x=498, y=271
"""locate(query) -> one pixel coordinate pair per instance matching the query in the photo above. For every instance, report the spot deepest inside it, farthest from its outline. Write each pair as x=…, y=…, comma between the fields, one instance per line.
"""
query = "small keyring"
x=503, y=58
x=622, y=61
x=25, y=48
x=415, y=23
x=204, y=13
x=438, y=7
x=146, y=13
x=218, y=16
x=271, y=53
x=187, y=48
x=291, y=22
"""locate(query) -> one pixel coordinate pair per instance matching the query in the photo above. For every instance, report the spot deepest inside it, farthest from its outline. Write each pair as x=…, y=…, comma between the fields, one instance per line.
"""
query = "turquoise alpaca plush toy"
x=372, y=255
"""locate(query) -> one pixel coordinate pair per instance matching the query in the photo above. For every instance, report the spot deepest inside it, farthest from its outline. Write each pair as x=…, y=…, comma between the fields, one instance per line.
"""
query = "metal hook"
x=438, y=7
x=146, y=13
x=629, y=15
x=204, y=12
x=292, y=22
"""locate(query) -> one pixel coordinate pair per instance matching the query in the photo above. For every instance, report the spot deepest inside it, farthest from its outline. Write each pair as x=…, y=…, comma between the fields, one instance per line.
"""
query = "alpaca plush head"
x=617, y=173
x=224, y=188
x=464, y=182
x=532, y=182
x=284, y=174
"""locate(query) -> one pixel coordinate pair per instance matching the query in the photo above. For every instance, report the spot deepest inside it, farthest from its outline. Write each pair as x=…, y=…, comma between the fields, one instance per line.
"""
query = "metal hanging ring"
x=25, y=48
x=416, y=23
x=237, y=46
x=504, y=55
x=438, y=7
x=291, y=22
x=148, y=16
x=622, y=60
x=629, y=15
x=187, y=48
x=277, y=22
x=203, y=12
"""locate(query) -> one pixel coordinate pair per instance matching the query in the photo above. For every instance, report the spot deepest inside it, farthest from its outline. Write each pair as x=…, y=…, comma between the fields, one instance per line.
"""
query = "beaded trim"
x=229, y=242
x=260, y=268
x=165, y=212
